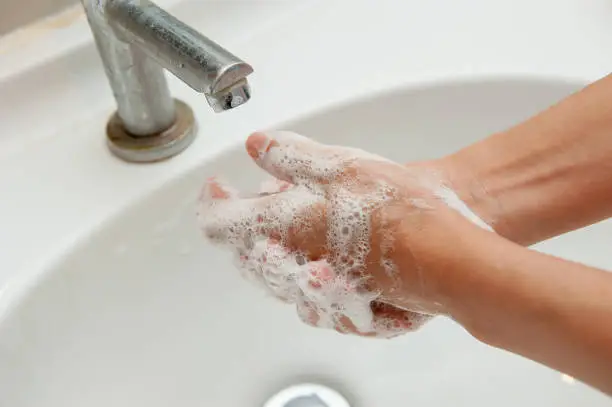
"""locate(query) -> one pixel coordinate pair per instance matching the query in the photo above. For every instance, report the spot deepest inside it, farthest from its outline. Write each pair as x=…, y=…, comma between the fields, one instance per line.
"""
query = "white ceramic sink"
x=108, y=294
x=144, y=313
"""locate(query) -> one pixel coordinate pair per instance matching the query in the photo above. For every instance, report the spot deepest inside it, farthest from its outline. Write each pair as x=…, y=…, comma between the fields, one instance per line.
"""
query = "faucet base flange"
x=154, y=147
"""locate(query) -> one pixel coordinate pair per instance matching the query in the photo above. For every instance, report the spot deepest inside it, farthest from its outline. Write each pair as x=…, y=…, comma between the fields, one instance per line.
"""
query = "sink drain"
x=307, y=395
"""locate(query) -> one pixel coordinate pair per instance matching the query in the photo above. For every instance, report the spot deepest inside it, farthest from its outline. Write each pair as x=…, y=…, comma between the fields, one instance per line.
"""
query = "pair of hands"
x=338, y=233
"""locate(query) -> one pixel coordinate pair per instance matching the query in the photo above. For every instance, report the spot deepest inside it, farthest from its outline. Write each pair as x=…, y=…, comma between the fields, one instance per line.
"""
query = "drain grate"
x=307, y=395
x=311, y=400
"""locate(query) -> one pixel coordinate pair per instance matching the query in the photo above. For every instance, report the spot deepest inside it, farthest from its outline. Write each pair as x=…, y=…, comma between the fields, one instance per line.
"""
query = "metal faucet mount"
x=136, y=41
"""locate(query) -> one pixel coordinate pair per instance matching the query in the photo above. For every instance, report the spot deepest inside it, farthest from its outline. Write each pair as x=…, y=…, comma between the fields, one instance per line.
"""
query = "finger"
x=346, y=326
x=281, y=272
x=307, y=313
x=272, y=267
x=215, y=189
x=213, y=193
x=233, y=220
x=337, y=298
x=274, y=186
x=387, y=322
x=305, y=237
x=294, y=158
x=295, y=217
x=390, y=321
x=320, y=273
x=314, y=282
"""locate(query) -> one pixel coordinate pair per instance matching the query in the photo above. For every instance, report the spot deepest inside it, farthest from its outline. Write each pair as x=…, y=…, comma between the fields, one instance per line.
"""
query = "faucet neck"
x=137, y=40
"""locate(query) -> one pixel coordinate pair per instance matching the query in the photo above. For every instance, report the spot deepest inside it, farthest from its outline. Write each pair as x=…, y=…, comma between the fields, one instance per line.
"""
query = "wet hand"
x=336, y=234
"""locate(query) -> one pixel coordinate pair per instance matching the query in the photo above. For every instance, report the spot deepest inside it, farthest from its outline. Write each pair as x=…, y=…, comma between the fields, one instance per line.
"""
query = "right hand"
x=342, y=240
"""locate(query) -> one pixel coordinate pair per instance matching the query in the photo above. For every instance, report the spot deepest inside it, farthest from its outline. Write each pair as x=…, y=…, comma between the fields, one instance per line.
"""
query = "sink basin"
x=143, y=313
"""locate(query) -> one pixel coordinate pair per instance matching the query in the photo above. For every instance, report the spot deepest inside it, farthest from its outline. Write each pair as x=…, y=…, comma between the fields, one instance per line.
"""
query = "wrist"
x=438, y=258
x=467, y=181
x=470, y=283
x=470, y=183
x=494, y=191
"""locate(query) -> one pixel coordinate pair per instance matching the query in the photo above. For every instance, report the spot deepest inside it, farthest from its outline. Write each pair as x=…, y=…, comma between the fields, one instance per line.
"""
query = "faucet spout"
x=137, y=40
x=196, y=60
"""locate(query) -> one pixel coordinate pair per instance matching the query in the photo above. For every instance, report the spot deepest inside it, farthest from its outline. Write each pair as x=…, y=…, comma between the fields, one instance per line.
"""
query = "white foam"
x=450, y=198
x=329, y=178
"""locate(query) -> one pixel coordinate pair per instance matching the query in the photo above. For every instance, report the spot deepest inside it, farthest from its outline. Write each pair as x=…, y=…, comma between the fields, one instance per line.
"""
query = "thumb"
x=294, y=158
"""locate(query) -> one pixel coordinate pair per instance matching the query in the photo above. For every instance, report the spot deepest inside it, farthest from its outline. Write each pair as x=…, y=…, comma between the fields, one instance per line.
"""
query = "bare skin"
x=547, y=176
x=549, y=310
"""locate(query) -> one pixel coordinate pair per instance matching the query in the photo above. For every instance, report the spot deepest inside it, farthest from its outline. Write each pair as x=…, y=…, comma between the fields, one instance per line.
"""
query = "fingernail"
x=216, y=191
x=258, y=144
x=213, y=189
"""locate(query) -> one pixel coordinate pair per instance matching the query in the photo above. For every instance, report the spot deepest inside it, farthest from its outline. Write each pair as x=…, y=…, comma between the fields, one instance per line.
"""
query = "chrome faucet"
x=136, y=40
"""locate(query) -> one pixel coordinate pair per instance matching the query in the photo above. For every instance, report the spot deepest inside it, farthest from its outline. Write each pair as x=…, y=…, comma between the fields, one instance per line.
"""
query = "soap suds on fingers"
x=315, y=187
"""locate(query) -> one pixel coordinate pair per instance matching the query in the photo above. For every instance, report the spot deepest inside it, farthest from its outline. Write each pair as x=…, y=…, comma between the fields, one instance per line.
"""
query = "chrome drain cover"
x=307, y=395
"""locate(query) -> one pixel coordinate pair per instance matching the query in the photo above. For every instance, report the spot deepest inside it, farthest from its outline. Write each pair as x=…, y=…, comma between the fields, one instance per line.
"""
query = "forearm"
x=547, y=176
x=549, y=310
